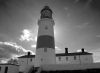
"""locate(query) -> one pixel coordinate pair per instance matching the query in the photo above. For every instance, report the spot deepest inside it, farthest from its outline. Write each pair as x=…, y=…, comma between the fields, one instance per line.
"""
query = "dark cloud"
x=95, y=4
x=3, y=3
x=10, y=4
x=83, y=1
x=6, y=3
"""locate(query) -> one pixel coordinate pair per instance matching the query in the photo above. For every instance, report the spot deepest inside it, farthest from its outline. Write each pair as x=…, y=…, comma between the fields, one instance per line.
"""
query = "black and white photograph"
x=49, y=36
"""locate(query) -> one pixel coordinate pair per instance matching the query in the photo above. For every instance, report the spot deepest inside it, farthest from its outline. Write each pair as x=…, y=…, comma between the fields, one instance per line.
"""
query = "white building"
x=74, y=58
x=28, y=61
x=9, y=68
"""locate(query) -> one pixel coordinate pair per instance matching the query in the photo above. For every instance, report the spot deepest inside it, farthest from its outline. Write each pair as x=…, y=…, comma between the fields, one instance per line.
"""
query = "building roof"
x=60, y=54
x=27, y=56
x=73, y=54
x=8, y=64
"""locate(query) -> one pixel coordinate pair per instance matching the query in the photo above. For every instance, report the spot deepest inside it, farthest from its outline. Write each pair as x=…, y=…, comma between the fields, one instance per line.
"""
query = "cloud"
x=10, y=50
x=4, y=60
x=26, y=35
x=35, y=39
x=33, y=46
x=57, y=48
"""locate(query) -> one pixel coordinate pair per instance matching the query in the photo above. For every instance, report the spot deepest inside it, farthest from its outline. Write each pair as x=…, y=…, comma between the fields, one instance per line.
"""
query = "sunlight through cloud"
x=26, y=35
x=33, y=46
x=35, y=39
x=57, y=48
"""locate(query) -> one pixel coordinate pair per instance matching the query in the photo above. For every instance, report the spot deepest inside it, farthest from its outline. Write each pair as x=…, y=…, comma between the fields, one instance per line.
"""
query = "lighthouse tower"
x=45, y=49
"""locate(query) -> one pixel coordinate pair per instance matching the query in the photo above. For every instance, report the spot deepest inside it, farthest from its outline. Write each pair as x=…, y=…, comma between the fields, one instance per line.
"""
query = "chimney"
x=29, y=54
x=66, y=50
x=82, y=50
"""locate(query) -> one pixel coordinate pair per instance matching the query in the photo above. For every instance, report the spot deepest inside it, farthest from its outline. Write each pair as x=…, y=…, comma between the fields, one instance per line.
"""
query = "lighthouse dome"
x=46, y=12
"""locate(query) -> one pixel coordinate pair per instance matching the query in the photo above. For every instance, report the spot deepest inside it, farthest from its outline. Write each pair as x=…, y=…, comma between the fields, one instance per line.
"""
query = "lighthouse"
x=45, y=47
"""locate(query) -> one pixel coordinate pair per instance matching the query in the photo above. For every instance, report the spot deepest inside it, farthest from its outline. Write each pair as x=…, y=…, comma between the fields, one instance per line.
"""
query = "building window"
x=6, y=69
x=41, y=59
x=22, y=61
x=74, y=57
x=45, y=49
x=86, y=58
x=46, y=27
x=66, y=58
x=59, y=58
x=0, y=68
x=31, y=59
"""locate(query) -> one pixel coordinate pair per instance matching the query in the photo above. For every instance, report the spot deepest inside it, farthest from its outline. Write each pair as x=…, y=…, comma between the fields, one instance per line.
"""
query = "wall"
x=45, y=56
x=46, y=22
x=78, y=59
x=55, y=67
x=11, y=68
x=86, y=59
x=68, y=60
x=25, y=62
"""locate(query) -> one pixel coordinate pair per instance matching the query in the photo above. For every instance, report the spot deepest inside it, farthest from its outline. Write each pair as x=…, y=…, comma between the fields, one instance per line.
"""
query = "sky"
x=77, y=25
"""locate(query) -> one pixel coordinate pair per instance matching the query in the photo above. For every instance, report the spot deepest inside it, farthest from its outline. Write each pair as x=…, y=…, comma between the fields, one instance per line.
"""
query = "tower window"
x=66, y=58
x=59, y=58
x=46, y=27
x=74, y=57
x=41, y=59
x=45, y=49
x=86, y=58
x=31, y=59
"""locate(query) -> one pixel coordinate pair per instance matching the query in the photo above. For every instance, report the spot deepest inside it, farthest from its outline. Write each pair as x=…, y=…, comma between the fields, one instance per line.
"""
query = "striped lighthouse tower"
x=45, y=49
